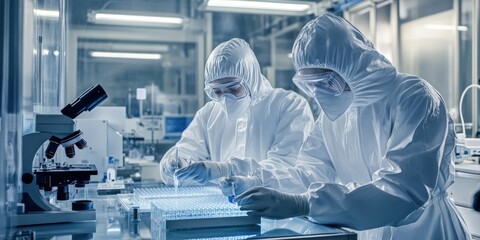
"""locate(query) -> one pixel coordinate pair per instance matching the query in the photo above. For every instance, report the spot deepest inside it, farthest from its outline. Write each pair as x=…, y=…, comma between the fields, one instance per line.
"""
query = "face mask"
x=233, y=107
x=334, y=106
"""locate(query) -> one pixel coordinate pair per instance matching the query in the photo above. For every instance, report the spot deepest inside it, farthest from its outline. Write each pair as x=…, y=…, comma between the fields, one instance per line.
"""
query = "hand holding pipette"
x=174, y=160
x=228, y=188
x=238, y=184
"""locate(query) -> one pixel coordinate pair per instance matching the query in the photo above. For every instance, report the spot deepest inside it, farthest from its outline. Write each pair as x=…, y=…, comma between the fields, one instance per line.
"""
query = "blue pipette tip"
x=230, y=198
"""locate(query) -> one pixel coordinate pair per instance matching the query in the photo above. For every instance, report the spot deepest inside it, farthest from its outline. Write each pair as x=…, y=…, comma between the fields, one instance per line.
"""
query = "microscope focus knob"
x=27, y=178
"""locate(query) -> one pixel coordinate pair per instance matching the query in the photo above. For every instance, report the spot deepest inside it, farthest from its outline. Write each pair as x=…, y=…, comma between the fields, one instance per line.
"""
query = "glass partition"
x=147, y=55
x=48, y=42
x=384, y=30
x=428, y=51
x=361, y=20
x=465, y=57
x=169, y=81
x=373, y=19
x=12, y=78
x=123, y=56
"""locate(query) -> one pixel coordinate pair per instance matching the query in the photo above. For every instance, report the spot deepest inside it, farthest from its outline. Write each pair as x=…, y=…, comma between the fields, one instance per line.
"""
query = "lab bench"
x=114, y=223
x=467, y=183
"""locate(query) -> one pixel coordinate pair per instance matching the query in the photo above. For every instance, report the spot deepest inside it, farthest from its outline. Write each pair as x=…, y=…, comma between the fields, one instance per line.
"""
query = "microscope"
x=58, y=129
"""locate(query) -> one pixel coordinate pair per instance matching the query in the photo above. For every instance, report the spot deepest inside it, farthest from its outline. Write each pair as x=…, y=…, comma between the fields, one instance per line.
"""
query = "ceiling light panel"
x=145, y=56
x=134, y=19
x=46, y=13
x=261, y=7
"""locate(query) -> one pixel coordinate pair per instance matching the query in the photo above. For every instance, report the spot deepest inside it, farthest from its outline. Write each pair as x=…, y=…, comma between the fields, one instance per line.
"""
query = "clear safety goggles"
x=326, y=82
x=237, y=89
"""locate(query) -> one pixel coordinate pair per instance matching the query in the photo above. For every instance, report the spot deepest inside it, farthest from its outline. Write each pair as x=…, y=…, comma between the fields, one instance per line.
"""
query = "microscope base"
x=49, y=217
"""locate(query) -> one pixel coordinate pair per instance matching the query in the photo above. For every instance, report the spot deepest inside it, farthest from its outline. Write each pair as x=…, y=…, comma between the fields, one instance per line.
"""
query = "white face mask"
x=334, y=106
x=234, y=108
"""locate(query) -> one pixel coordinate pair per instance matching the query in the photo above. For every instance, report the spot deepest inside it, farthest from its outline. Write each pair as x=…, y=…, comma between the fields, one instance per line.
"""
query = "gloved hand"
x=270, y=203
x=168, y=165
x=241, y=184
x=204, y=171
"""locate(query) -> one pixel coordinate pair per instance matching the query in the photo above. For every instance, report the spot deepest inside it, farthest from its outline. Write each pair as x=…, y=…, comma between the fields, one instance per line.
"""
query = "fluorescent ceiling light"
x=147, y=56
x=46, y=13
x=258, y=5
x=265, y=7
x=134, y=19
x=124, y=47
x=290, y=55
x=446, y=27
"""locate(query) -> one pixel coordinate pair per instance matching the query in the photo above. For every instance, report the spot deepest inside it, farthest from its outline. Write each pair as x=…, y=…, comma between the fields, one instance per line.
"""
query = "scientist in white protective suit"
x=380, y=157
x=246, y=121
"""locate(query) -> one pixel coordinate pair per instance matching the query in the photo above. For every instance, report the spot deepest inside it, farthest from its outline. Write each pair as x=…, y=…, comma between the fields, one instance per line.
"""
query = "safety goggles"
x=236, y=89
x=330, y=83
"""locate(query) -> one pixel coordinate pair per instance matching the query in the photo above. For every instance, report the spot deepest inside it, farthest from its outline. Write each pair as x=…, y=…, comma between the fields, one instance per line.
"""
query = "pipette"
x=175, y=179
x=232, y=197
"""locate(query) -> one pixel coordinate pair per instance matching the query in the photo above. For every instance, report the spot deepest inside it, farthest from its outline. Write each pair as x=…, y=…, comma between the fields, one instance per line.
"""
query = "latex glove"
x=168, y=165
x=241, y=184
x=204, y=171
x=270, y=203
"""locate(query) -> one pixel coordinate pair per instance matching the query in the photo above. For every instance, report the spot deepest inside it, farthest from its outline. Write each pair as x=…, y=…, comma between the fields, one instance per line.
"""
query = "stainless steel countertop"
x=468, y=166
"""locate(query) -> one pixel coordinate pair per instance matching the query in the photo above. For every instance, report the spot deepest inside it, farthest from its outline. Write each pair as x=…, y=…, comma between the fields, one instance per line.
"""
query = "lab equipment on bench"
x=467, y=175
x=59, y=130
x=464, y=192
x=175, y=124
x=466, y=147
x=104, y=128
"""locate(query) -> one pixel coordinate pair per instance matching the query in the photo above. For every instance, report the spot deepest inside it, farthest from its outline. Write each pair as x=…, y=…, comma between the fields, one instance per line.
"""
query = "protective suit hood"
x=330, y=42
x=234, y=58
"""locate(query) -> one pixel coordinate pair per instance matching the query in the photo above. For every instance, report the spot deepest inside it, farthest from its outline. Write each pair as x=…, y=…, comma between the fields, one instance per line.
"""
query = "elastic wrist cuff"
x=304, y=203
x=225, y=169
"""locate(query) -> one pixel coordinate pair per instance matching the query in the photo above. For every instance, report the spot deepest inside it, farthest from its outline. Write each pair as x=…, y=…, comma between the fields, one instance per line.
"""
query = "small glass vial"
x=111, y=170
x=81, y=192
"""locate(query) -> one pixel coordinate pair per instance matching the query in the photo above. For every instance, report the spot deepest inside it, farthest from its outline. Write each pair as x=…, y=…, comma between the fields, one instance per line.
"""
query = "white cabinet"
x=467, y=183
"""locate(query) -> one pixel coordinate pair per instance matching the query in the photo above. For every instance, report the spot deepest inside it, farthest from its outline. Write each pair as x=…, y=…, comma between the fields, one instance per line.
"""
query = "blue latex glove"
x=241, y=184
x=169, y=165
x=270, y=203
x=204, y=171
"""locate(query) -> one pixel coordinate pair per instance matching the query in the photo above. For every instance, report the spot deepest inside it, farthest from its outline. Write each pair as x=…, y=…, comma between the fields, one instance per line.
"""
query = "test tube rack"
x=196, y=212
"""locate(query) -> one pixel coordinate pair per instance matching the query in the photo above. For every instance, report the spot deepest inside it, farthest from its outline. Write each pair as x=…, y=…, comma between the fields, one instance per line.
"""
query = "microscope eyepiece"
x=87, y=101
